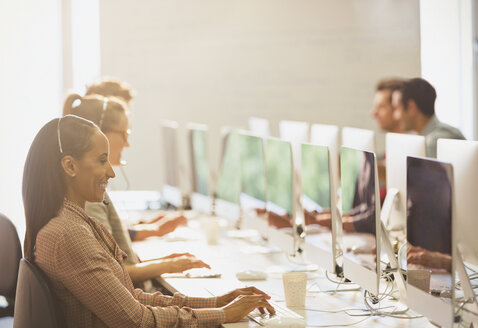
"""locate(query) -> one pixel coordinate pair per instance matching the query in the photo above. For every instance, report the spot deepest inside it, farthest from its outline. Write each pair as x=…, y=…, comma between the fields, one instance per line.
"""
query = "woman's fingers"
x=244, y=304
x=200, y=264
x=251, y=291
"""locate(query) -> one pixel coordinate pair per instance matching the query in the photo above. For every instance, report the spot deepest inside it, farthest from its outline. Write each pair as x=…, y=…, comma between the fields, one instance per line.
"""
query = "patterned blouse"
x=85, y=266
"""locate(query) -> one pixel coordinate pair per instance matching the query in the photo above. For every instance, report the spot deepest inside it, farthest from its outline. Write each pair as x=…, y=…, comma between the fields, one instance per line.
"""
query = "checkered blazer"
x=85, y=266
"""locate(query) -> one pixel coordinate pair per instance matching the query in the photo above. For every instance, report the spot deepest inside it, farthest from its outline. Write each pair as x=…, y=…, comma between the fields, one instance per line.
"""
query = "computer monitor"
x=171, y=191
x=259, y=126
x=253, y=183
x=328, y=135
x=318, y=198
x=294, y=131
x=463, y=155
x=429, y=237
x=228, y=187
x=281, y=207
x=358, y=139
x=360, y=219
x=200, y=198
x=398, y=147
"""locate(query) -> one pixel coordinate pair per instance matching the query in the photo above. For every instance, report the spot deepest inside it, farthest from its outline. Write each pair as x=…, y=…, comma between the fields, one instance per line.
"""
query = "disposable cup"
x=295, y=284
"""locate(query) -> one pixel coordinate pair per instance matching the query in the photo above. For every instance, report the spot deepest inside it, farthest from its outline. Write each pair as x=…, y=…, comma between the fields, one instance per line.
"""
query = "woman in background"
x=111, y=116
x=67, y=165
x=111, y=87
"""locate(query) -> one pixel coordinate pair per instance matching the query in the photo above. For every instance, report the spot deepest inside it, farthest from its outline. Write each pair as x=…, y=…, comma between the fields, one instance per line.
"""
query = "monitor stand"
x=399, y=279
x=468, y=292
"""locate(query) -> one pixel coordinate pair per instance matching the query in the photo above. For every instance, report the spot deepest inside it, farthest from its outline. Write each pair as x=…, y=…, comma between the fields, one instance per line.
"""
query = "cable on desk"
x=462, y=307
x=338, y=284
x=379, y=311
x=470, y=269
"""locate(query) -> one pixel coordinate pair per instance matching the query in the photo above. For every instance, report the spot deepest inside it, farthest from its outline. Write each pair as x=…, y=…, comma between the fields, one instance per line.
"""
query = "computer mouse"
x=285, y=322
x=251, y=275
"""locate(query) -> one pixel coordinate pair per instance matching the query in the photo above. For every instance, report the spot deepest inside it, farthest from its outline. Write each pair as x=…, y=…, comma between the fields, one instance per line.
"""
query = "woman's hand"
x=229, y=297
x=168, y=225
x=170, y=256
x=151, y=221
x=182, y=263
x=242, y=305
x=165, y=226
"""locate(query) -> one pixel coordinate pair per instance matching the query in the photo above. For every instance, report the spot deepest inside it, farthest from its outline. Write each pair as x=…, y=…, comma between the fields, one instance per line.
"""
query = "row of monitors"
x=258, y=175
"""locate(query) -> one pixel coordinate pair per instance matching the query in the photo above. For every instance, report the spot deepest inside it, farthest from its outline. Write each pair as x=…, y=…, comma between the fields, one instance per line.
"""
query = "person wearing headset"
x=112, y=87
x=111, y=115
x=67, y=165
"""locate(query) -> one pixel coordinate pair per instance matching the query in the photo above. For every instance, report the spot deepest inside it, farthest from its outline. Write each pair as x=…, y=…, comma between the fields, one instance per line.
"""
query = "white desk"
x=228, y=258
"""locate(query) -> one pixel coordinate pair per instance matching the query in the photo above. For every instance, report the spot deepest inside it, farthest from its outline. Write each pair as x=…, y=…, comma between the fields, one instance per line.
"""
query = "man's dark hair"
x=389, y=85
x=422, y=93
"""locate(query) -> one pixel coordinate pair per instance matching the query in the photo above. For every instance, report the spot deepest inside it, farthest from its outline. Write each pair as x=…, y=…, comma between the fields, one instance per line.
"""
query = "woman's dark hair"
x=104, y=112
x=43, y=179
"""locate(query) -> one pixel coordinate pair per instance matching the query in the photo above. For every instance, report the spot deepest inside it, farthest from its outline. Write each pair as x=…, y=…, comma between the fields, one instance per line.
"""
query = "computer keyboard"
x=281, y=311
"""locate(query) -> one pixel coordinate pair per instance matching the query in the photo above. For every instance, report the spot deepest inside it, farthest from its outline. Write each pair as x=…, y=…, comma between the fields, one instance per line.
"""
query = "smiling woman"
x=111, y=116
x=67, y=165
x=52, y=163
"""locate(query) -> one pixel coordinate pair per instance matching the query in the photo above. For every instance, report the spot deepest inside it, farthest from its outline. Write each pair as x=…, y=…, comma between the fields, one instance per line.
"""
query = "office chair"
x=10, y=255
x=35, y=303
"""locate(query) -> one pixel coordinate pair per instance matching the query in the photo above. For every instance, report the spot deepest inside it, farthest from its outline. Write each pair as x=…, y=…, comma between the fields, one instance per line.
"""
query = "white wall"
x=81, y=44
x=30, y=89
x=219, y=62
x=85, y=31
x=447, y=60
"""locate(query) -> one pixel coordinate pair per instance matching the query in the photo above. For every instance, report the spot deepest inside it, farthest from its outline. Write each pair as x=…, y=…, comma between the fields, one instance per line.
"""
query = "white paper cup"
x=295, y=284
x=211, y=230
x=419, y=278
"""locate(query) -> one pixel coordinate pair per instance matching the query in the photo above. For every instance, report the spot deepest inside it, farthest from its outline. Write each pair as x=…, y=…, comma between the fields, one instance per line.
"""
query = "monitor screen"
x=229, y=179
x=429, y=217
x=315, y=180
x=170, y=147
x=200, y=161
x=253, y=183
x=317, y=204
x=359, y=218
x=279, y=172
x=429, y=239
